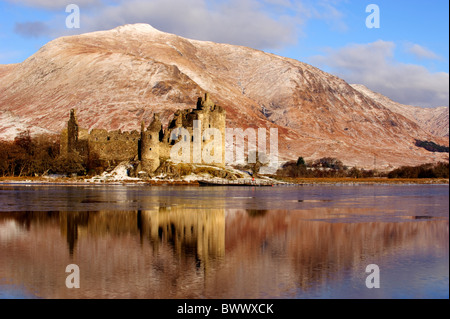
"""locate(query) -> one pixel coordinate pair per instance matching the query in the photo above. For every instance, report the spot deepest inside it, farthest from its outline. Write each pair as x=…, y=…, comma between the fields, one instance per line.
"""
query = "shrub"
x=440, y=170
x=432, y=147
x=27, y=156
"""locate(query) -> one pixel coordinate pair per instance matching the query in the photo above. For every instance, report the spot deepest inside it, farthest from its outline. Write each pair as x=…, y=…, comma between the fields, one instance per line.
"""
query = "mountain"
x=433, y=120
x=115, y=79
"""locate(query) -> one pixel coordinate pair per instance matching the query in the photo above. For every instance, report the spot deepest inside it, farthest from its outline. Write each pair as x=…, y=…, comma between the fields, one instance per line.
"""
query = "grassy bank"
x=370, y=180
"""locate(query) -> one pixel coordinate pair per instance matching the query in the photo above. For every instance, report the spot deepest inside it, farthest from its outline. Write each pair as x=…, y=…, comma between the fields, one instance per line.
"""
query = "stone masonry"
x=150, y=146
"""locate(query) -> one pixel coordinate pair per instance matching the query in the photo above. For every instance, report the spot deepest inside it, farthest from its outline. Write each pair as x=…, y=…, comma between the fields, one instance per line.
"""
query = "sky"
x=404, y=57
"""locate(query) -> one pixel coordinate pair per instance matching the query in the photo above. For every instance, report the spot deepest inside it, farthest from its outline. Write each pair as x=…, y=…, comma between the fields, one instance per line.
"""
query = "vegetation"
x=26, y=156
x=325, y=167
x=40, y=155
x=432, y=147
x=333, y=168
x=301, y=161
x=440, y=170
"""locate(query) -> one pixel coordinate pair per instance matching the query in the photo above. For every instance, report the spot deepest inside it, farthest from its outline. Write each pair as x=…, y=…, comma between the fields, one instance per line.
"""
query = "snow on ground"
x=12, y=125
x=195, y=177
x=237, y=172
x=120, y=173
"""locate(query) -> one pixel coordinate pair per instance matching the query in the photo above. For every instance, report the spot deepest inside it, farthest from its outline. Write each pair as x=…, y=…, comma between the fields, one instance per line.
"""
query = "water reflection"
x=176, y=251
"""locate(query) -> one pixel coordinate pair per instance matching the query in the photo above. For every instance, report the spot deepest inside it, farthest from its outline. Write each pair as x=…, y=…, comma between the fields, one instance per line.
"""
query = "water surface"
x=224, y=242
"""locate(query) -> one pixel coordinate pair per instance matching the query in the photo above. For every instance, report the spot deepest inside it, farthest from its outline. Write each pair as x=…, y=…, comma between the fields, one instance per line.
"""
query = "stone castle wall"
x=151, y=145
x=114, y=145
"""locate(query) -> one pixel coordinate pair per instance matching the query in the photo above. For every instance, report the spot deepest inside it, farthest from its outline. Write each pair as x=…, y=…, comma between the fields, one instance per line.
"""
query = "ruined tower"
x=150, y=145
x=72, y=132
x=204, y=103
x=212, y=116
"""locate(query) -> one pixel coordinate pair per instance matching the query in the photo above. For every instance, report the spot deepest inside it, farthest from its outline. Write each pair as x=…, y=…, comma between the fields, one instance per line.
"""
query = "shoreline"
x=71, y=181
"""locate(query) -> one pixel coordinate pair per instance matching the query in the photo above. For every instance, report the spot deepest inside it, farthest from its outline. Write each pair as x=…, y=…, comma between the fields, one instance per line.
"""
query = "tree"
x=301, y=161
x=4, y=160
x=355, y=173
x=72, y=164
x=29, y=156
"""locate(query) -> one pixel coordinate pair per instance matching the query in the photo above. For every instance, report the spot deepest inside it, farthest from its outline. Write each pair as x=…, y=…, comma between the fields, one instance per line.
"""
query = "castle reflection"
x=197, y=233
x=177, y=251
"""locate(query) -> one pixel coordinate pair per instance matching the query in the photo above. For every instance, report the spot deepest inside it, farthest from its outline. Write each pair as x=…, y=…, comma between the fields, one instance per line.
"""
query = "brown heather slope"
x=117, y=78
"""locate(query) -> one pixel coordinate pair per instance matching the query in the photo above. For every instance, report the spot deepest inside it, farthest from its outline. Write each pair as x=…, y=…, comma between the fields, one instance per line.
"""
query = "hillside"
x=433, y=120
x=115, y=79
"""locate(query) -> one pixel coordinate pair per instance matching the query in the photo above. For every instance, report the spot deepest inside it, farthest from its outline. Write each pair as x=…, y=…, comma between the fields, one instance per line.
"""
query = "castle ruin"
x=151, y=145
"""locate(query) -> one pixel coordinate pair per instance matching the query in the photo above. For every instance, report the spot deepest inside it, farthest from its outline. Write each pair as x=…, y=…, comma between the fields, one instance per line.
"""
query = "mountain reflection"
x=181, y=252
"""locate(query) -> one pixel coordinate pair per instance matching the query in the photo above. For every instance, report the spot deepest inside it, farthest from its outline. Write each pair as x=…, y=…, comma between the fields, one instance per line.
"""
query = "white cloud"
x=421, y=52
x=329, y=12
x=260, y=24
x=325, y=10
x=54, y=4
x=374, y=65
x=242, y=22
x=33, y=29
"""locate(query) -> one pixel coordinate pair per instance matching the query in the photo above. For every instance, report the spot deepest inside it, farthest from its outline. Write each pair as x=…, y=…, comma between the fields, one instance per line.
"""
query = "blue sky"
x=405, y=59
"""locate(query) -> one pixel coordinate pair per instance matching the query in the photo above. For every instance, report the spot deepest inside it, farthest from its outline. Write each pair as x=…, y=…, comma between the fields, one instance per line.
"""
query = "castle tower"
x=212, y=116
x=150, y=145
x=72, y=132
x=205, y=103
x=217, y=119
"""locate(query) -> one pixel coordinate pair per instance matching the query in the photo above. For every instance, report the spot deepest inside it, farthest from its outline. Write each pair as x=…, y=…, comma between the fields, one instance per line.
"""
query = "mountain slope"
x=432, y=120
x=117, y=78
